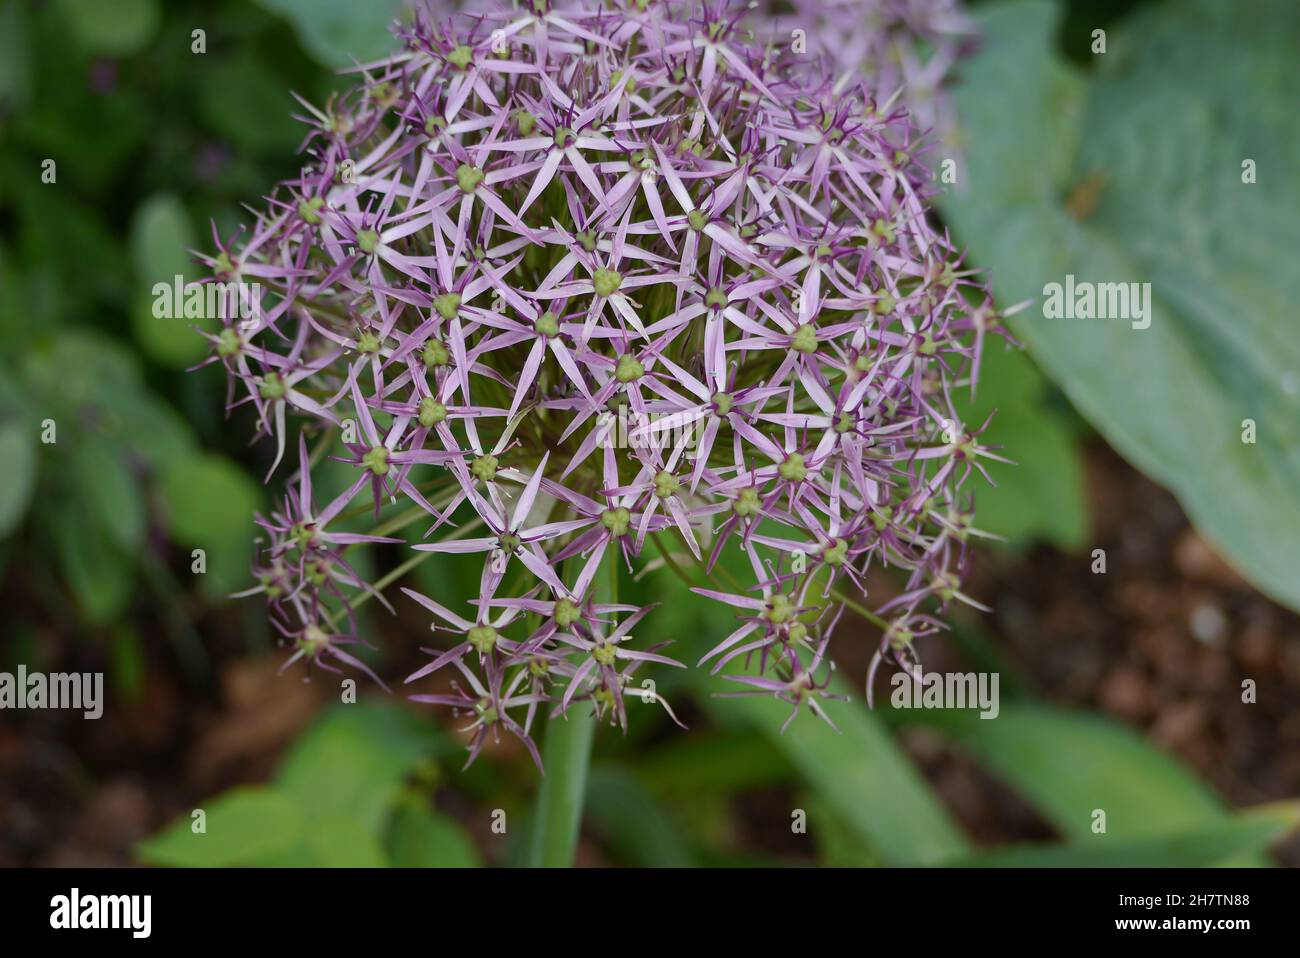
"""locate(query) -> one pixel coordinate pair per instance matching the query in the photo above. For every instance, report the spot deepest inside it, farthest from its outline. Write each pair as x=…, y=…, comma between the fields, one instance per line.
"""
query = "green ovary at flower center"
x=468, y=177
x=746, y=504
x=510, y=543
x=368, y=240
x=432, y=412
x=483, y=638
x=460, y=57
x=697, y=220
x=302, y=535
x=604, y=654
x=616, y=520
x=447, y=305
x=721, y=403
x=628, y=369
x=666, y=484
x=548, y=324
x=606, y=281
x=881, y=517
x=368, y=342
x=309, y=210
x=804, y=340
x=485, y=467
x=376, y=460
x=228, y=342
x=716, y=298
x=272, y=386
x=780, y=609
x=946, y=585
x=313, y=641
x=793, y=469
x=316, y=572
x=567, y=613
x=836, y=552
x=435, y=354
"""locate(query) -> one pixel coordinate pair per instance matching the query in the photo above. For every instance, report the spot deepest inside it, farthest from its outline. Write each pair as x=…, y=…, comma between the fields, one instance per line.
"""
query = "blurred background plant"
x=1121, y=691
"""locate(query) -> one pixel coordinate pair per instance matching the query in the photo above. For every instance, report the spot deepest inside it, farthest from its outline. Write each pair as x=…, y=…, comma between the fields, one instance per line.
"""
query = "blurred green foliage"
x=340, y=799
x=115, y=155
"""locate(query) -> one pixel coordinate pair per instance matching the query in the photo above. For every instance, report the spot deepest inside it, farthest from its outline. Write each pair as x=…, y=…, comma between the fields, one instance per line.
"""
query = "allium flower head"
x=588, y=282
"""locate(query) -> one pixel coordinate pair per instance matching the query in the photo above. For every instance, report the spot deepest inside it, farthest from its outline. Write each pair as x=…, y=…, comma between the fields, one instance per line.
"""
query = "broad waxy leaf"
x=1134, y=174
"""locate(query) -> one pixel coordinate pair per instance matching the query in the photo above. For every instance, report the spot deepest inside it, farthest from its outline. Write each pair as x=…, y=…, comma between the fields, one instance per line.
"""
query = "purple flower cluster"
x=902, y=49
x=570, y=283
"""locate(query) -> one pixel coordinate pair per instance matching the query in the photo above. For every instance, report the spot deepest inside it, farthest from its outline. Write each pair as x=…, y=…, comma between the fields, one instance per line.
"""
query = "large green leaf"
x=1070, y=765
x=104, y=480
x=246, y=102
x=18, y=478
x=242, y=827
x=160, y=235
x=1041, y=496
x=701, y=762
x=859, y=772
x=635, y=824
x=15, y=59
x=419, y=838
x=352, y=763
x=1134, y=174
x=210, y=504
x=337, y=841
x=337, y=32
x=1245, y=834
x=99, y=574
x=117, y=29
x=328, y=805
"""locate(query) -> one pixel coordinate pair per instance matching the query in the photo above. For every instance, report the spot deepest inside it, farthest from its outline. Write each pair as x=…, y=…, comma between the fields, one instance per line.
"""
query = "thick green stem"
x=566, y=753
